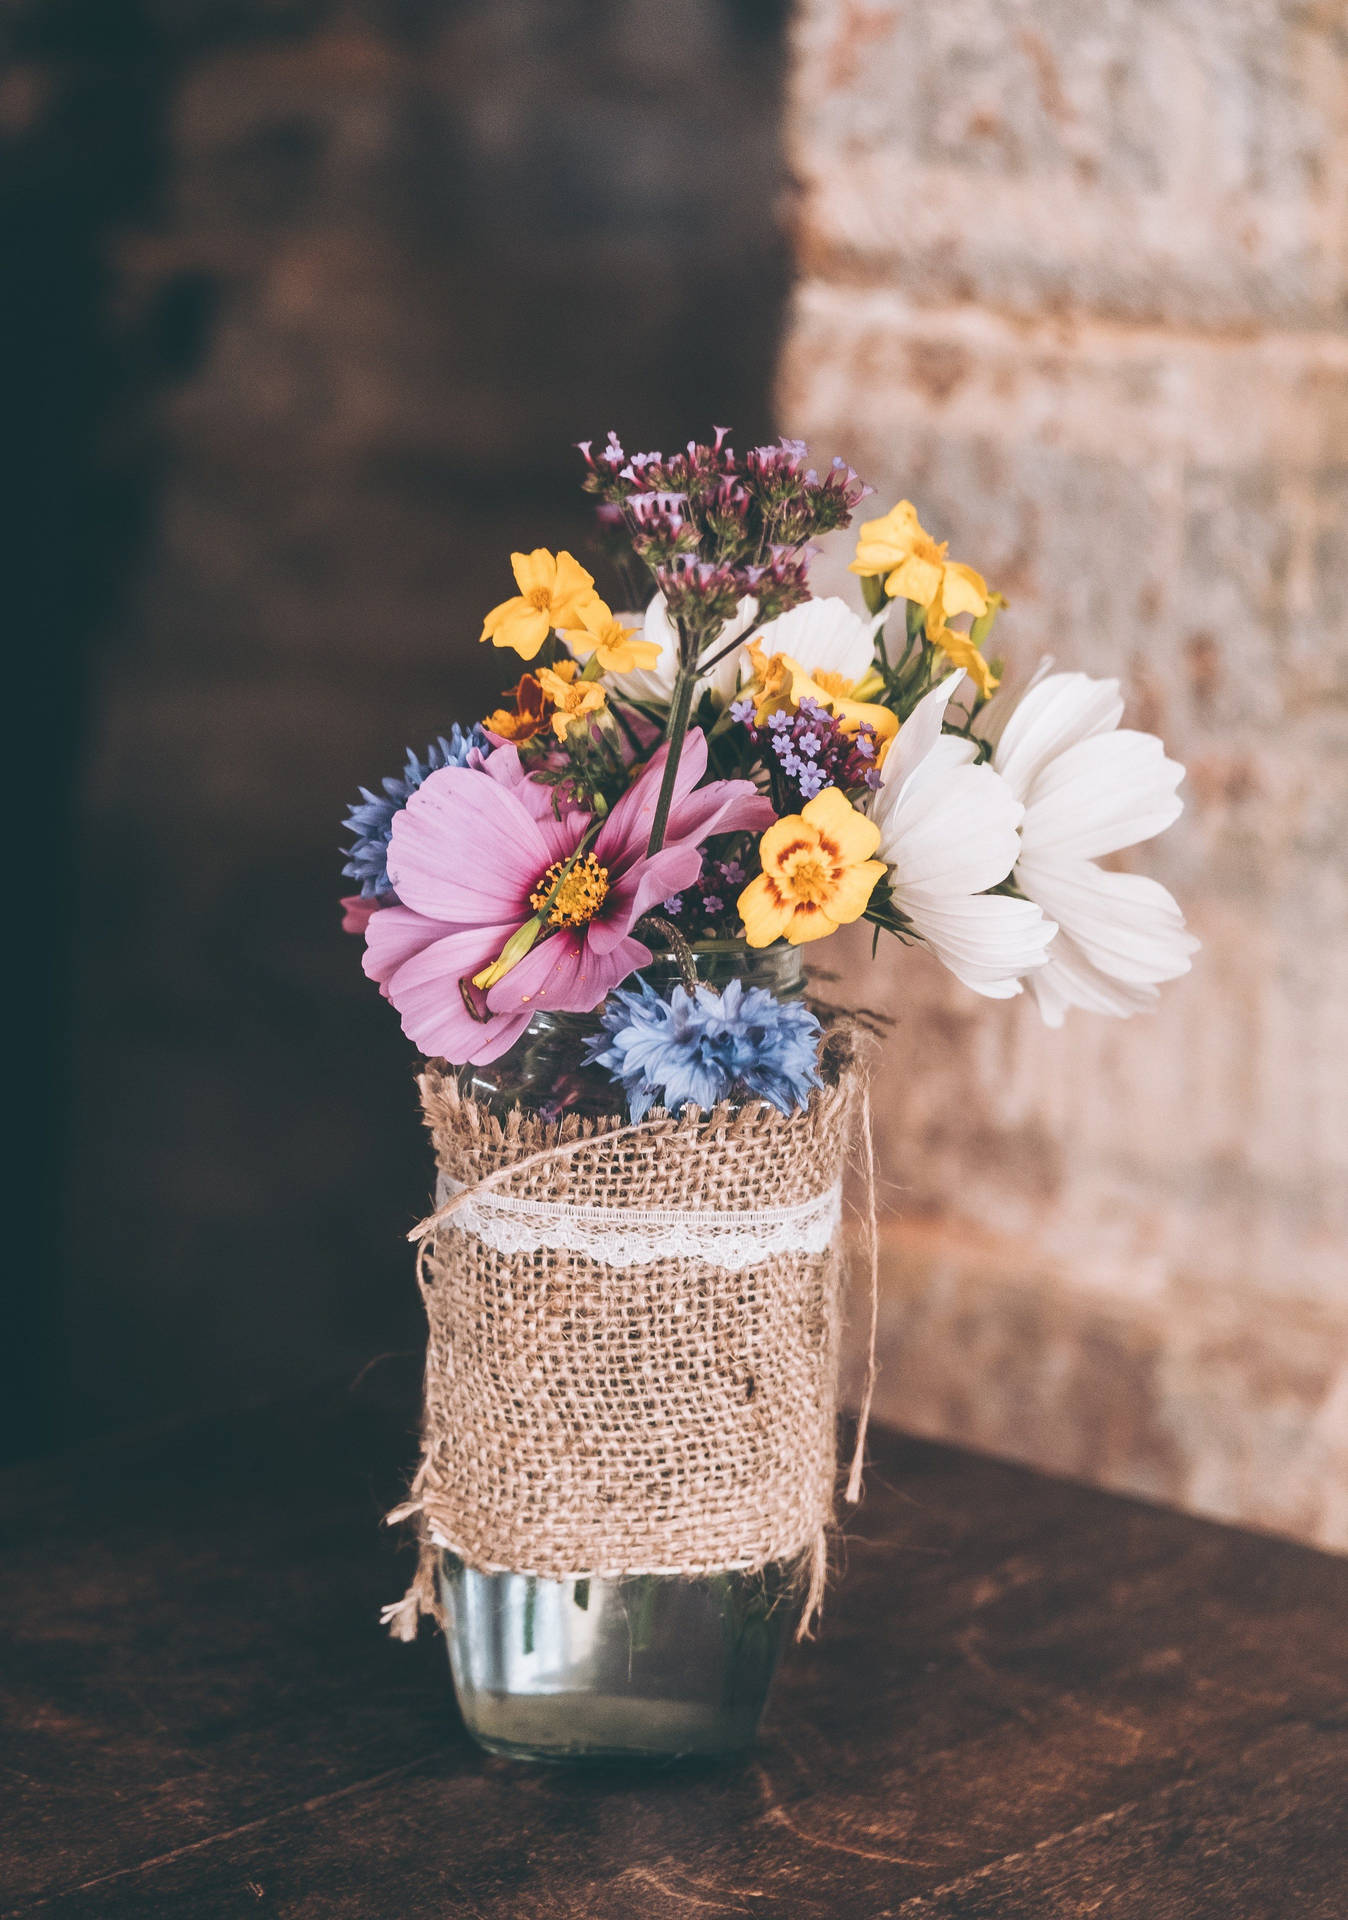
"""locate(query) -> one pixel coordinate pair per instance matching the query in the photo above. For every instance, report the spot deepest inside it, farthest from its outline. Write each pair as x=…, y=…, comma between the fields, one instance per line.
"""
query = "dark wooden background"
x=306, y=302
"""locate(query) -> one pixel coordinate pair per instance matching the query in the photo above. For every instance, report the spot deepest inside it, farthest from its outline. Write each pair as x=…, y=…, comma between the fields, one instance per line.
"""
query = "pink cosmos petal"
x=467, y=850
x=425, y=990
x=544, y=979
x=626, y=832
x=357, y=912
x=604, y=971
x=393, y=936
x=564, y=974
x=503, y=764
x=649, y=881
x=726, y=806
x=537, y=796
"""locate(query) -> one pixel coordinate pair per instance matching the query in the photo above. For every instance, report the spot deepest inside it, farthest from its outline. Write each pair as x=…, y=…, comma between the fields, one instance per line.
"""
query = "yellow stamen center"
x=578, y=898
x=540, y=599
x=808, y=878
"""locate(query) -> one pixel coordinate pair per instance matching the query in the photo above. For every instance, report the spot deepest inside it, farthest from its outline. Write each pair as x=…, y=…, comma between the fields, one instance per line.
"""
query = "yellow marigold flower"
x=602, y=633
x=960, y=648
x=573, y=701
x=914, y=565
x=532, y=711
x=551, y=594
x=781, y=683
x=817, y=873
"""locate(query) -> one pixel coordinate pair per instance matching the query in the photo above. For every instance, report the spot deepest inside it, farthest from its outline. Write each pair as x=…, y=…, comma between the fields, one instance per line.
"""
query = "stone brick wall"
x=1076, y=279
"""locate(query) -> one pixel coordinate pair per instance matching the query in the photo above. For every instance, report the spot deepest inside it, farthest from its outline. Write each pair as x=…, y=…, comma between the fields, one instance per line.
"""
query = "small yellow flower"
x=781, y=683
x=817, y=873
x=914, y=565
x=532, y=710
x=552, y=593
x=574, y=702
x=601, y=633
x=961, y=648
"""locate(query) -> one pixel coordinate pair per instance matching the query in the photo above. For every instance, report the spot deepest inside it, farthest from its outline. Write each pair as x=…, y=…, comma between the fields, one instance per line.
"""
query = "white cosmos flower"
x=835, y=646
x=949, y=829
x=1089, y=788
x=655, y=685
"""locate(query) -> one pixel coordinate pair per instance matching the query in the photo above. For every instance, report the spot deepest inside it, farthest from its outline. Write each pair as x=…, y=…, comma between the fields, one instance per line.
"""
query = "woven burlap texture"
x=670, y=1418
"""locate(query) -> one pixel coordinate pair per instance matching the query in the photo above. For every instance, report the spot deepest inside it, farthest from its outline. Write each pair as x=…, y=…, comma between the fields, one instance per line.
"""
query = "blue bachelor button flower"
x=371, y=817
x=696, y=1049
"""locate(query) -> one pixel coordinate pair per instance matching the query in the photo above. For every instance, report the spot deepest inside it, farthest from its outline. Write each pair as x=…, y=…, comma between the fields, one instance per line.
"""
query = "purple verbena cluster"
x=712, y=526
x=809, y=749
x=707, y=909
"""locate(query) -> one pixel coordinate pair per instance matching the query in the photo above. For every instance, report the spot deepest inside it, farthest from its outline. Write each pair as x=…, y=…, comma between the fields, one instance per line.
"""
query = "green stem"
x=680, y=708
x=873, y=591
x=705, y=665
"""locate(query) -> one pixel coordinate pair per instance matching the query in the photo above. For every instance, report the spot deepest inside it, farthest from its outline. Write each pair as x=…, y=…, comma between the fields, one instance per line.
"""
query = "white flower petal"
x=825, y=636
x=1048, y=719
x=1069, y=980
x=951, y=830
x=988, y=941
x=994, y=713
x=1104, y=793
x=654, y=686
x=1089, y=790
x=913, y=742
x=1125, y=925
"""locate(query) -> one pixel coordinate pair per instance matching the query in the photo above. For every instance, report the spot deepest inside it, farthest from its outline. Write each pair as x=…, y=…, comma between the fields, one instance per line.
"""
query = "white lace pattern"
x=632, y=1236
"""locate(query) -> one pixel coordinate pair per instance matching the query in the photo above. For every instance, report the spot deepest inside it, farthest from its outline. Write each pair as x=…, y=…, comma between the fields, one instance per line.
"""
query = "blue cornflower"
x=371, y=817
x=697, y=1049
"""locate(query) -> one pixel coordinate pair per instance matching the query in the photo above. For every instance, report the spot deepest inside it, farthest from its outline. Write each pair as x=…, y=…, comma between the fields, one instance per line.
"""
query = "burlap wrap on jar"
x=634, y=1370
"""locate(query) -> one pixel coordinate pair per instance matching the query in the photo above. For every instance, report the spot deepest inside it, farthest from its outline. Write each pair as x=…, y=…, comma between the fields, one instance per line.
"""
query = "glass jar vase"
x=651, y=1665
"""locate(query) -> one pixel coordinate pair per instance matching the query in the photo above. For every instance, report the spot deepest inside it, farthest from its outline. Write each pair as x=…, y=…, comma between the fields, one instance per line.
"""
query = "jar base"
x=583, y=1726
x=647, y=1667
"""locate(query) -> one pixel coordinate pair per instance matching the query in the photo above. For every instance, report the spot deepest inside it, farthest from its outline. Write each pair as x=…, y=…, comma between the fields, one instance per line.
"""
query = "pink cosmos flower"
x=473, y=848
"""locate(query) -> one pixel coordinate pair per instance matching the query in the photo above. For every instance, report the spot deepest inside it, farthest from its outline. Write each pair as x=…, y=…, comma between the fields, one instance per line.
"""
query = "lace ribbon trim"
x=632, y=1236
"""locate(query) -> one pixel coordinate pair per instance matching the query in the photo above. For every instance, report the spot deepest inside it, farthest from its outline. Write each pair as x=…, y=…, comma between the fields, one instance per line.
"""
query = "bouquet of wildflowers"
x=632, y=1286
x=727, y=764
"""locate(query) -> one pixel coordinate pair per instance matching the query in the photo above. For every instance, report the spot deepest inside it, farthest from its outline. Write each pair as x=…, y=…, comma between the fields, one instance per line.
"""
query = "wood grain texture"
x=1028, y=1699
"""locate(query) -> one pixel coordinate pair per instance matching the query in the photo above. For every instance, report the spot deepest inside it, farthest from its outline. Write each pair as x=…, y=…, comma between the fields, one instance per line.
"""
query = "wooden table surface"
x=1028, y=1700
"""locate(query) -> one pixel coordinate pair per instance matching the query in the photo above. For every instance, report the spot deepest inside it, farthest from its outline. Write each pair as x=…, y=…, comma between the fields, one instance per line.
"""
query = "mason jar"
x=653, y=1665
